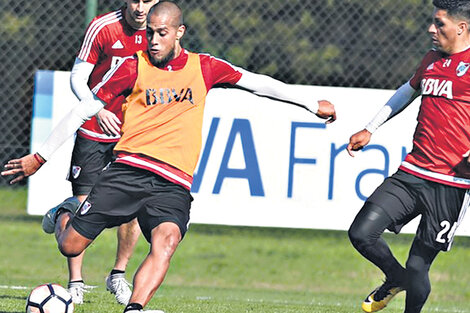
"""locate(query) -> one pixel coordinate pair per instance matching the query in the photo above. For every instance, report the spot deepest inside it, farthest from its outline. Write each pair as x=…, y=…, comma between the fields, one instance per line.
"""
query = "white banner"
x=268, y=163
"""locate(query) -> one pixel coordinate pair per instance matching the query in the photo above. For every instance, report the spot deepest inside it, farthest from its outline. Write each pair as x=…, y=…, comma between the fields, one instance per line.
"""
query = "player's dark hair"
x=454, y=8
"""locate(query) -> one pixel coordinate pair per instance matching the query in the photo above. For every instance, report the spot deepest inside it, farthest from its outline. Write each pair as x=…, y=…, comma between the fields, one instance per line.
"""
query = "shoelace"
x=120, y=284
x=82, y=288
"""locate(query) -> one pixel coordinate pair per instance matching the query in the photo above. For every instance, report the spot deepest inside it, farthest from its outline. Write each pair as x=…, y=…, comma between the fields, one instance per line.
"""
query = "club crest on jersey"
x=167, y=95
x=462, y=68
x=76, y=171
x=436, y=87
x=85, y=208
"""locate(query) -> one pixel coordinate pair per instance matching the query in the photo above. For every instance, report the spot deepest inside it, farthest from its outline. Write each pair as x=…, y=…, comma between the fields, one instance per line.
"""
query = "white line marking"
x=15, y=287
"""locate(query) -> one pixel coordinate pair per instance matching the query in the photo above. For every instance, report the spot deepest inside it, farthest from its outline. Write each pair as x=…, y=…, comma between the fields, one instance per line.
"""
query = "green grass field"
x=225, y=269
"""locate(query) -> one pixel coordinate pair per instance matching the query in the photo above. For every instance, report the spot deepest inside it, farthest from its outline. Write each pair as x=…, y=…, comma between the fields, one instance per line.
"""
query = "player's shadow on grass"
x=20, y=218
x=11, y=298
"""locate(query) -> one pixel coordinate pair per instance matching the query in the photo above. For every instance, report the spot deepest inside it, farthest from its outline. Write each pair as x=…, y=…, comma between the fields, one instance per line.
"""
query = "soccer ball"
x=49, y=298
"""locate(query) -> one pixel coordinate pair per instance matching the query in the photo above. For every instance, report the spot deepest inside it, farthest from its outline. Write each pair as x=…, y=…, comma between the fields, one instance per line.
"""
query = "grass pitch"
x=225, y=269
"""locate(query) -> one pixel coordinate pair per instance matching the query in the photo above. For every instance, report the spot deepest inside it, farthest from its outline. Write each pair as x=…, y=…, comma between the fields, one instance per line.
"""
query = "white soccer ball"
x=49, y=298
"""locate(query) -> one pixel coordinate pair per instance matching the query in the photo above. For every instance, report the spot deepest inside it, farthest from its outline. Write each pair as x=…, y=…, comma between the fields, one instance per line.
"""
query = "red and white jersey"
x=442, y=135
x=161, y=129
x=108, y=39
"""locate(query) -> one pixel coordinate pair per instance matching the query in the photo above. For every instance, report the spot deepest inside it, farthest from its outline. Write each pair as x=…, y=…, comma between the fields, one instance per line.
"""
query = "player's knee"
x=358, y=236
x=416, y=268
x=166, y=239
x=171, y=241
x=360, y=233
x=368, y=226
x=68, y=250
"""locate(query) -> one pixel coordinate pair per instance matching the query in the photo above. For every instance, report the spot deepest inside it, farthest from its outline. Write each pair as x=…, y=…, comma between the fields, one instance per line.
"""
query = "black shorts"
x=404, y=196
x=89, y=159
x=124, y=192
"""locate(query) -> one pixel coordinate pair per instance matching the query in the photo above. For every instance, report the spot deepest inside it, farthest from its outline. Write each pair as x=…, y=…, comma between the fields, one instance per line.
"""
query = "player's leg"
x=417, y=266
x=88, y=160
x=392, y=205
x=443, y=210
x=70, y=242
x=163, y=219
x=76, y=285
x=128, y=235
x=365, y=235
x=152, y=271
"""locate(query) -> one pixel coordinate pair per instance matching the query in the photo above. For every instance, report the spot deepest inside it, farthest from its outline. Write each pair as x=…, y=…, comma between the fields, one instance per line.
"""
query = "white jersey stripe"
x=90, y=31
x=462, y=182
x=87, y=45
x=98, y=135
x=110, y=74
x=156, y=168
x=93, y=31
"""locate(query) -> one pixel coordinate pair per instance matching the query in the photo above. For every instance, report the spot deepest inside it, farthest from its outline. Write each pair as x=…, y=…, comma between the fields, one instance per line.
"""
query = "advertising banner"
x=262, y=162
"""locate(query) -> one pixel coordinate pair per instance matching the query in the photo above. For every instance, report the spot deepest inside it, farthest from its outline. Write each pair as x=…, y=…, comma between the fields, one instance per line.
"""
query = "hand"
x=109, y=122
x=358, y=141
x=26, y=166
x=326, y=110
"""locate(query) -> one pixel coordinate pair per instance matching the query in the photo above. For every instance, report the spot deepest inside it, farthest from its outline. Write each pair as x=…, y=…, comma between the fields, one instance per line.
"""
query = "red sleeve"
x=217, y=71
x=93, y=42
x=118, y=81
x=430, y=57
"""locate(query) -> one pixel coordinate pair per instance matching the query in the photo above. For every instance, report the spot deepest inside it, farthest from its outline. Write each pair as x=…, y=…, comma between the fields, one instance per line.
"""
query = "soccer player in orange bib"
x=434, y=179
x=165, y=89
x=109, y=38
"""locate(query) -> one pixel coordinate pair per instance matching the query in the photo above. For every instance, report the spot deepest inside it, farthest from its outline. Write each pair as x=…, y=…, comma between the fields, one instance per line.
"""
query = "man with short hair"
x=109, y=38
x=164, y=89
x=434, y=179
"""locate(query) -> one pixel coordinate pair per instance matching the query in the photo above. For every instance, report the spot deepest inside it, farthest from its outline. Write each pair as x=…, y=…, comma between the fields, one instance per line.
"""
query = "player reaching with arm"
x=109, y=38
x=164, y=90
x=434, y=178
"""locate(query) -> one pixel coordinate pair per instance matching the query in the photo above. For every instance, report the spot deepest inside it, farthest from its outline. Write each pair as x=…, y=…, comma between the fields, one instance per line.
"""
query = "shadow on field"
x=20, y=218
x=12, y=298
